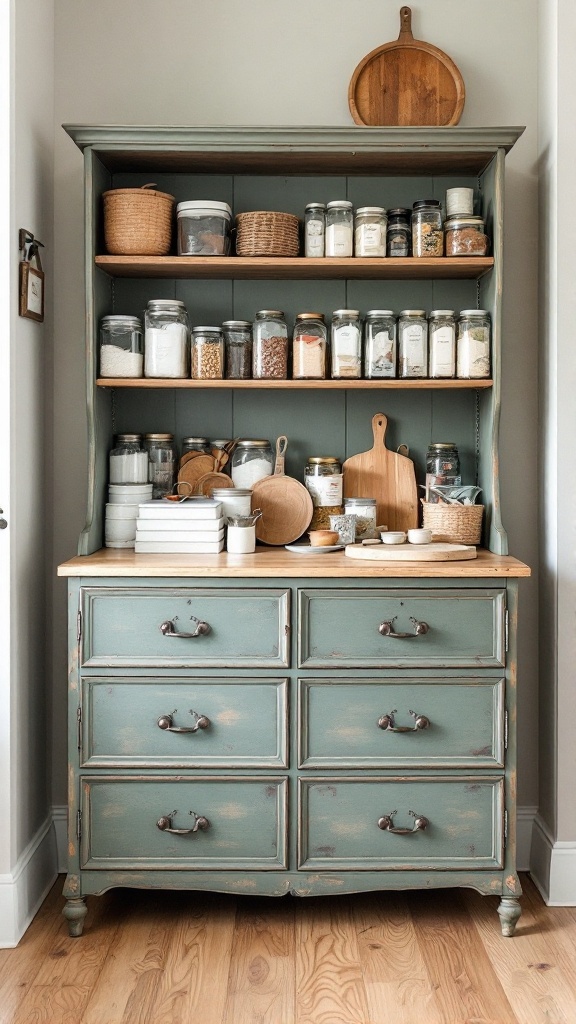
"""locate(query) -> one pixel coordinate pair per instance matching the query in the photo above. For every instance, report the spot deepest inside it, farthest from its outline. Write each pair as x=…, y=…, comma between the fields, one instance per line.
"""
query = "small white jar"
x=129, y=494
x=241, y=540
x=235, y=501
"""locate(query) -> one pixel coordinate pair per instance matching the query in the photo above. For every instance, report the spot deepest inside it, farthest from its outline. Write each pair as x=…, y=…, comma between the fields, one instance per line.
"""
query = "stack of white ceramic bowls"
x=122, y=513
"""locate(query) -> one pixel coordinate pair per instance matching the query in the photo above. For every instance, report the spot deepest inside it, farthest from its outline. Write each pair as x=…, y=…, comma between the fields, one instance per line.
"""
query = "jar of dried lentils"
x=270, y=345
x=207, y=353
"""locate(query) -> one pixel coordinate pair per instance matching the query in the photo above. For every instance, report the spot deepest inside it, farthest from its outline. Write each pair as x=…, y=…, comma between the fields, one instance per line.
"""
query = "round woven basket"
x=456, y=524
x=138, y=221
x=263, y=233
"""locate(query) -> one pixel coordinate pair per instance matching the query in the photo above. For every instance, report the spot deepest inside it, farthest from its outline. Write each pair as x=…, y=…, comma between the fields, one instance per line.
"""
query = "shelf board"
x=295, y=268
x=290, y=385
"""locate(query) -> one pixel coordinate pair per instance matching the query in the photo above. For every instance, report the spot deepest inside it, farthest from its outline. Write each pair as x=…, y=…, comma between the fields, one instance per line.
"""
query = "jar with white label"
x=442, y=344
x=379, y=343
x=412, y=343
x=370, y=231
x=346, y=344
x=127, y=461
x=309, y=345
x=365, y=511
x=166, y=339
x=314, y=229
x=323, y=479
x=339, y=228
x=473, y=344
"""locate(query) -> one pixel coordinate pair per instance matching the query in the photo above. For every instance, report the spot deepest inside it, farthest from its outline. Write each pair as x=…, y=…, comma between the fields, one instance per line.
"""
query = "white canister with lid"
x=203, y=228
x=459, y=202
x=236, y=501
x=129, y=494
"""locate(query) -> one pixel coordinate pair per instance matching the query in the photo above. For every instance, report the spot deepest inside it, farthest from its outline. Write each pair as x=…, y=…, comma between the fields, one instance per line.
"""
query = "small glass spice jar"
x=370, y=231
x=412, y=343
x=309, y=345
x=121, y=347
x=339, y=228
x=441, y=344
x=379, y=343
x=314, y=229
x=238, y=349
x=365, y=511
x=252, y=461
x=427, y=232
x=162, y=463
x=165, y=339
x=442, y=468
x=323, y=479
x=346, y=343
x=398, y=232
x=465, y=236
x=473, y=344
x=207, y=351
x=127, y=461
x=270, y=345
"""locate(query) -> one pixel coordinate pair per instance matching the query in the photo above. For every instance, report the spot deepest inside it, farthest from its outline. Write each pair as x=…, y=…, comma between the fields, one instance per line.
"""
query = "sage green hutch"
x=313, y=740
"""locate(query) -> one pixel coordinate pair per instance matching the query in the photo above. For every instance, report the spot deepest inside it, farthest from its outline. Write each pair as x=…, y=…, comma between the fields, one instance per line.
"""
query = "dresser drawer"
x=246, y=823
x=351, y=628
x=225, y=723
x=339, y=824
x=346, y=723
x=144, y=626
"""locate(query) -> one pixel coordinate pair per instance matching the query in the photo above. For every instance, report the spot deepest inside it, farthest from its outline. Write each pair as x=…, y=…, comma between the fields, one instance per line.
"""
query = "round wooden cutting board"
x=435, y=552
x=285, y=503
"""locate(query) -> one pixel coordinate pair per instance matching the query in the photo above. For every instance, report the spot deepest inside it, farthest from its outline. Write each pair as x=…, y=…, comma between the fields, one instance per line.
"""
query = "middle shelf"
x=394, y=384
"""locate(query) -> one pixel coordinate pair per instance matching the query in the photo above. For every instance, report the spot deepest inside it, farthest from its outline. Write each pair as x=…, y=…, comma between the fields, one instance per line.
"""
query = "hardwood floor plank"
x=329, y=976
x=19, y=967
x=261, y=979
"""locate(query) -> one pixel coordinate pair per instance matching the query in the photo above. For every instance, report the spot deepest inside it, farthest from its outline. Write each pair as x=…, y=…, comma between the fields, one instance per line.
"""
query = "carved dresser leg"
x=75, y=911
x=509, y=911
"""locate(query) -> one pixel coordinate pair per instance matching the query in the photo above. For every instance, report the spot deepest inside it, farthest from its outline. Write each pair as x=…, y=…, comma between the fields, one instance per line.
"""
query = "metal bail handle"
x=388, y=722
x=386, y=823
x=165, y=824
x=420, y=628
x=168, y=629
x=166, y=722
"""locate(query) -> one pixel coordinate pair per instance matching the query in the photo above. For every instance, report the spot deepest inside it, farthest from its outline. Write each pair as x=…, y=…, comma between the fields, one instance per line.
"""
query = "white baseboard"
x=23, y=890
x=525, y=817
x=553, y=867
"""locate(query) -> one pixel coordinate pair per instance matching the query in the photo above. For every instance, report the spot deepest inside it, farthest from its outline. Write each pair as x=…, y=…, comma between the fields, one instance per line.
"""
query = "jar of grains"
x=207, y=349
x=339, y=228
x=427, y=233
x=473, y=344
x=251, y=461
x=365, y=511
x=121, y=347
x=442, y=468
x=128, y=462
x=314, y=229
x=165, y=339
x=162, y=463
x=309, y=347
x=441, y=344
x=238, y=349
x=370, y=231
x=323, y=479
x=465, y=236
x=379, y=343
x=346, y=344
x=412, y=343
x=398, y=234
x=270, y=345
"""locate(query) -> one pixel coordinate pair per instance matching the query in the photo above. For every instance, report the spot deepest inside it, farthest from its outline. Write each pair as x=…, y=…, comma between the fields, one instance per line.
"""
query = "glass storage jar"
x=309, y=347
x=473, y=344
x=252, y=461
x=323, y=479
x=346, y=344
x=412, y=343
x=370, y=231
x=398, y=233
x=195, y=444
x=207, y=352
x=127, y=461
x=238, y=349
x=365, y=511
x=465, y=236
x=427, y=233
x=121, y=347
x=339, y=228
x=235, y=501
x=165, y=339
x=162, y=463
x=442, y=468
x=314, y=229
x=203, y=228
x=270, y=345
x=442, y=344
x=379, y=343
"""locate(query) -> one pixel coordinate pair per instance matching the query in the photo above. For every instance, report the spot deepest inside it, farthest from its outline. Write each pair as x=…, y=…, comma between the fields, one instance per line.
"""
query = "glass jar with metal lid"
x=238, y=349
x=465, y=236
x=442, y=468
x=346, y=344
x=314, y=229
x=270, y=345
x=309, y=347
x=427, y=233
x=441, y=344
x=235, y=501
x=195, y=444
x=379, y=343
x=162, y=463
x=128, y=462
x=121, y=347
x=413, y=343
x=166, y=339
x=207, y=349
x=365, y=511
x=398, y=232
x=370, y=231
x=252, y=461
x=339, y=228
x=473, y=344
x=323, y=479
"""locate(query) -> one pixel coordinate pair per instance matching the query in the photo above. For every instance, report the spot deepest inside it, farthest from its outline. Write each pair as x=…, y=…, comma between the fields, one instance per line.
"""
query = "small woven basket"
x=138, y=221
x=263, y=233
x=455, y=524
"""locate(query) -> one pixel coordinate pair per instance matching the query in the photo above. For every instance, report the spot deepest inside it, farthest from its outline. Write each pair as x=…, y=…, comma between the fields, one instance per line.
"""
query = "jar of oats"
x=207, y=353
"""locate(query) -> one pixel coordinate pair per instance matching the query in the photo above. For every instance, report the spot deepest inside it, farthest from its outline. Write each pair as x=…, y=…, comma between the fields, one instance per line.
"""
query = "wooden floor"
x=193, y=958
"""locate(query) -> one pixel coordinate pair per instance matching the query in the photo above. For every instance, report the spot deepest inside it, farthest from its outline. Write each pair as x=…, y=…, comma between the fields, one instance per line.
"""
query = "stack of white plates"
x=122, y=513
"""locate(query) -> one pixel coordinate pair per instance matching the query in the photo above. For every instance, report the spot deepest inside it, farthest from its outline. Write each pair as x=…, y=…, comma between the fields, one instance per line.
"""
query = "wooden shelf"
x=289, y=385
x=240, y=268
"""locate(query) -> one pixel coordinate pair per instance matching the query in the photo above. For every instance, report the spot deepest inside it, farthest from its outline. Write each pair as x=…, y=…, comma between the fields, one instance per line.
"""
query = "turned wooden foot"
x=509, y=911
x=75, y=911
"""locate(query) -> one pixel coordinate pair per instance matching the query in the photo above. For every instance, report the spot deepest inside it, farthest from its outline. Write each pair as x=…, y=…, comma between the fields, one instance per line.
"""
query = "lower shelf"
x=290, y=385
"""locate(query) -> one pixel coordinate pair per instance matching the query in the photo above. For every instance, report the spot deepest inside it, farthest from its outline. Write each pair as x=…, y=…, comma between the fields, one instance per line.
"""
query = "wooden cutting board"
x=435, y=552
x=406, y=82
x=285, y=503
x=386, y=476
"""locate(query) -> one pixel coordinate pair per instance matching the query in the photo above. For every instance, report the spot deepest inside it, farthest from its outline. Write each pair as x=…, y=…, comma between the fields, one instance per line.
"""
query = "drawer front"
x=343, y=627
x=225, y=723
x=347, y=723
x=248, y=627
x=246, y=823
x=339, y=824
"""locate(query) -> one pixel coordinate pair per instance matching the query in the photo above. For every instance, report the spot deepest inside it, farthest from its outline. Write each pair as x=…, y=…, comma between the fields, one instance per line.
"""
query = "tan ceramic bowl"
x=323, y=538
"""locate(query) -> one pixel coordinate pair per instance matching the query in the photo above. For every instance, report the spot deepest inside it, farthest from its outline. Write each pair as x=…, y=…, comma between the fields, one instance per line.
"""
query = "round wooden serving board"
x=285, y=503
x=435, y=552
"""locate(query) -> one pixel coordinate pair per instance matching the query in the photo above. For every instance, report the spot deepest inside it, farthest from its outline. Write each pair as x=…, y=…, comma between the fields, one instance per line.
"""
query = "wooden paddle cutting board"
x=285, y=503
x=386, y=476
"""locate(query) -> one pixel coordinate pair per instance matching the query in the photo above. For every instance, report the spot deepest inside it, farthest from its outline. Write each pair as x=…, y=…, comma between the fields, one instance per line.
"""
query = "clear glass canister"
x=309, y=347
x=236, y=501
x=398, y=232
x=314, y=229
x=465, y=236
x=238, y=349
x=270, y=345
x=365, y=511
x=166, y=339
x=442, y=344
x=442, y=468
x=195, y=444
x=128, y=462
x=427, y=232
x=473, y=344
x=323, y=479
x=339, y=228
x=370, y=231
x=162, y=463
x=121, y=347
x=252, y=461
x=379, y=343
x=346, y=344
x=207, y=352
x=412, y=343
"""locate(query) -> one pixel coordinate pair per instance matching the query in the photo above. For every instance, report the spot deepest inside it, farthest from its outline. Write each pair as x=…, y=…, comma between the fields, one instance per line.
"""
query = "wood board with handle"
x=386, y=476
x=285, y=503
x=434, y=552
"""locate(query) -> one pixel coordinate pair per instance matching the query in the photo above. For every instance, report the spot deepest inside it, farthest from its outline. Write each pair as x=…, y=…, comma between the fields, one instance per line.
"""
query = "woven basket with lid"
x=138, y=221
x=265, y=233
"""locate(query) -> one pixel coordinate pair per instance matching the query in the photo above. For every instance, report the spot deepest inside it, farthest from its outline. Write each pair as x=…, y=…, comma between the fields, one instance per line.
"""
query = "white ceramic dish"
x=423, y=536
x=307, y=549
x=393, y=537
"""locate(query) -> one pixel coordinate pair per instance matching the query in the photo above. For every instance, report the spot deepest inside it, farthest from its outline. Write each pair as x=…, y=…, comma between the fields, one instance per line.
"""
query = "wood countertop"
x=268, y=562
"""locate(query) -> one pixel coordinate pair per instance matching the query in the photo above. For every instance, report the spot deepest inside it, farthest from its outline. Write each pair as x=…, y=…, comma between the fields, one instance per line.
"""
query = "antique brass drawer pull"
x=420, y=628
x=165, y=824
x=388, y=722
x=201, y=722
x=386, y=823
x=168, y=629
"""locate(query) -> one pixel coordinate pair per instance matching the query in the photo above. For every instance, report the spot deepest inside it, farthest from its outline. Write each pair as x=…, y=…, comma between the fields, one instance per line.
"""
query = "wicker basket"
x=263, y=233
x=456, y=524
x=138, y=221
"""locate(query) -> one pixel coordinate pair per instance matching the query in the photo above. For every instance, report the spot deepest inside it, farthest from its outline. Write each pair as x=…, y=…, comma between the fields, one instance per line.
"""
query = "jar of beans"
x=207, y=353
x=270, y=345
